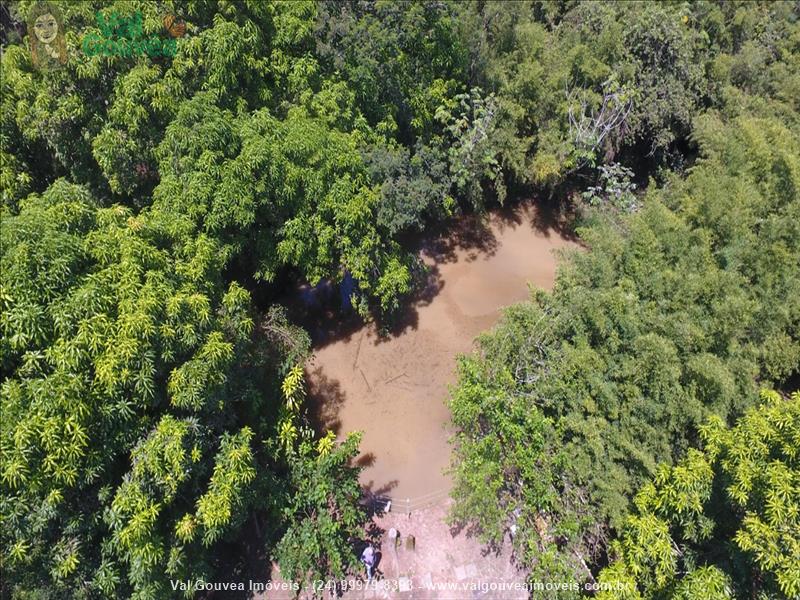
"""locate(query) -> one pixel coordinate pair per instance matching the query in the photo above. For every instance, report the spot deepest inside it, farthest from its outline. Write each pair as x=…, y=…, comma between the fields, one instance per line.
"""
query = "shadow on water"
x=547, y=217
x=468, y=238
x=554, y=219
x=324, y=311
x=429, y=285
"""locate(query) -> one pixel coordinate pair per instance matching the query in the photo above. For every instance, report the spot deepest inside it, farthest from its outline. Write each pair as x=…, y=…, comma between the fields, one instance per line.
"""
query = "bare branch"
x=589, y=126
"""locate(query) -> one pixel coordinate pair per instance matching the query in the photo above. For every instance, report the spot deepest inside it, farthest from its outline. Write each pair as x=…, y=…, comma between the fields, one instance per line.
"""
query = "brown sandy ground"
x=444, y=565
x=394, y=388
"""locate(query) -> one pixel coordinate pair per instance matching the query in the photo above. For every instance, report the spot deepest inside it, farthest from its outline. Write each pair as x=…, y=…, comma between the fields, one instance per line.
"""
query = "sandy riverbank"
x=394, y=388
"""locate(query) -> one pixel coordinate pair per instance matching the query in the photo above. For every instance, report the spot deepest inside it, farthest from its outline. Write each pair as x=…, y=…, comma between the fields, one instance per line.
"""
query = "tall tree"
x=725, y=521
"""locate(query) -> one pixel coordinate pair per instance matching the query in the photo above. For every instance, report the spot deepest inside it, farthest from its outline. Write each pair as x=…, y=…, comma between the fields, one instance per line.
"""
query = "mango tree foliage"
x=320, y=502
x=276, y=163
x=133, y=415
x=322, y=512
x=144, y=420
x=280, y=193
x=724, y=521
x=402, y=60
x=141, y=399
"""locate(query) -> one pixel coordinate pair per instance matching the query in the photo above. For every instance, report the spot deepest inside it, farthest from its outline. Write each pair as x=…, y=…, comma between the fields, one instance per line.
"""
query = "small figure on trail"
x=368, y=558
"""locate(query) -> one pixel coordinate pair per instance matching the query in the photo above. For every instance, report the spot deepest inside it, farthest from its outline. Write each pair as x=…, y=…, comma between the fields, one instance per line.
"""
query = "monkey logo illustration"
x=175, y=26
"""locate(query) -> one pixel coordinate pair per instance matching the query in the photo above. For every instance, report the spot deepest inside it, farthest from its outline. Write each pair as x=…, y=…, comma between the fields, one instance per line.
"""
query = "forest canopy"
x=161, y=181
x=684, y=304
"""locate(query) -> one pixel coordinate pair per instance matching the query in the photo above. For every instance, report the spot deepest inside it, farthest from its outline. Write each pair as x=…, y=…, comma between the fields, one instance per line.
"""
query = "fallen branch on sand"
x=395, y=377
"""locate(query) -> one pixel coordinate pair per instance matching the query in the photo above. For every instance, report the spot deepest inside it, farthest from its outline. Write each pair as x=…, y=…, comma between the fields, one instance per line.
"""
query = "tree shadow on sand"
x=365, y=460
x=372, y=490
x=325, y=399
x=322, y=311
x=550, y=217
x=472, y=531
x=430, y=285
x=469, y=235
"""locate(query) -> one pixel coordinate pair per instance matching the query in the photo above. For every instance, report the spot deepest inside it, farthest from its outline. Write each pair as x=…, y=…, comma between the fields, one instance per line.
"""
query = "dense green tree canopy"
x=152, y=410
x=675, y=312
x=724, y=522
x=131, y=410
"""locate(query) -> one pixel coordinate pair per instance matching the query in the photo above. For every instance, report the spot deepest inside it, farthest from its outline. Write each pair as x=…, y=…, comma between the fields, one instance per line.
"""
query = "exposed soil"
x=441, y=564
x=394, y=387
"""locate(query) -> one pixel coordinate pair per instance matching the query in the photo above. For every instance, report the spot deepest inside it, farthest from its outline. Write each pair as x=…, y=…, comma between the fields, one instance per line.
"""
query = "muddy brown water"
x=394, y=387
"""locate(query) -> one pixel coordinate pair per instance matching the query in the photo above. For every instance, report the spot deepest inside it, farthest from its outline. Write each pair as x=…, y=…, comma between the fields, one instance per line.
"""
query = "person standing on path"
x=368, y=558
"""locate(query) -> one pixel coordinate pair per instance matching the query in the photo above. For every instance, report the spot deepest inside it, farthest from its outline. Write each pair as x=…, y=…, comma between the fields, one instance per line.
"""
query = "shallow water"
x=394, y=388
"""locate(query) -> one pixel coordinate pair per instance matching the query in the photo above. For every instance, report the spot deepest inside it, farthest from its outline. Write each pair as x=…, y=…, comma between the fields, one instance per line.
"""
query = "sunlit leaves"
x=18, y=551
x=322, y=514
x=761, y=512
x=190, y=383
x=130, y=318
x=233, y=472
x=670, y=317
x=185, y=528
x=474, y=152
x=293, y=388
x=287, y=433
x=325, y=444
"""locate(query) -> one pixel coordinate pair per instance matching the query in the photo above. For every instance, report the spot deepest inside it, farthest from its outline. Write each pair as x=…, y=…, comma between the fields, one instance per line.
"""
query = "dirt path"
x=394, y=388
x=440, y=564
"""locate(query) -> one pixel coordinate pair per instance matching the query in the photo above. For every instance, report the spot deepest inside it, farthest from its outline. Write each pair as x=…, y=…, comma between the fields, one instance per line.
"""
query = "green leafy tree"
x=672, y=315
x=146, y=411
x=614, y=190
x=128, y=357
x=323, y=513
x=724, y=522
x=414, y=187
x=321, y=503
x=133, y=430
x=476, y=148
x=401, y=59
